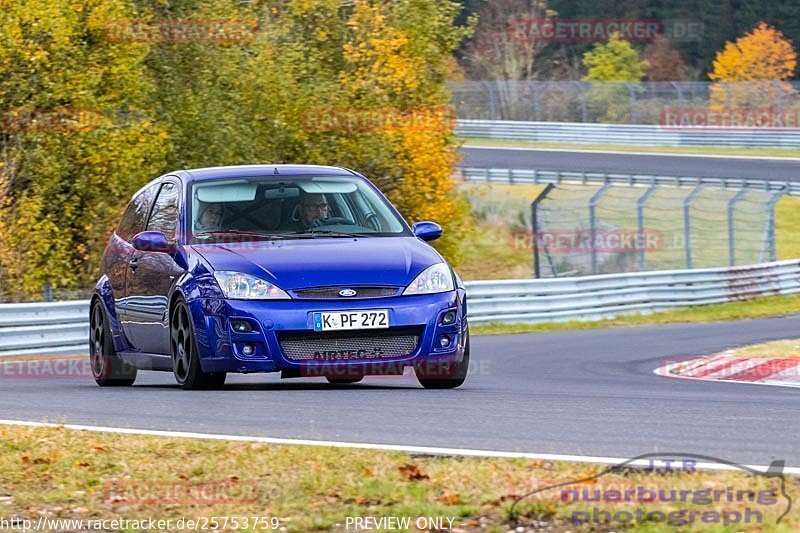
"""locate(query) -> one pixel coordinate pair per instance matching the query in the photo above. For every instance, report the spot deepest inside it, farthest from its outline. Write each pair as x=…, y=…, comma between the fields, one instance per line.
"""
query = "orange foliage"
x=758, y=61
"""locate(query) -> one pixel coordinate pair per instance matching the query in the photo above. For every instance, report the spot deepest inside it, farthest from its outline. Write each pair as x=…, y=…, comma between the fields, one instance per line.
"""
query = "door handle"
x=134, y=264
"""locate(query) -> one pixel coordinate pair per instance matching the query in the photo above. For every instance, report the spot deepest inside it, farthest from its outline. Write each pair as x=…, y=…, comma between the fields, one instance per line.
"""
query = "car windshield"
x=296, y=207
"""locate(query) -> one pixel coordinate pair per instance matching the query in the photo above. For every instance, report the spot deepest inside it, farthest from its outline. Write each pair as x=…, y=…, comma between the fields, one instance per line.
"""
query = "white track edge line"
x=622, y=152
x=428, y=450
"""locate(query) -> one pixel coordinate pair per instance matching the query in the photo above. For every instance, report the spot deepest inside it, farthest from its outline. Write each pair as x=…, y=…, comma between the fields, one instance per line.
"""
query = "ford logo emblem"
x=346, y=293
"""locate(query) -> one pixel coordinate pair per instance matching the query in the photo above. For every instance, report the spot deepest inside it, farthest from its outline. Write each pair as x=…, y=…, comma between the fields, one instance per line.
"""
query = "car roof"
x=249, y=171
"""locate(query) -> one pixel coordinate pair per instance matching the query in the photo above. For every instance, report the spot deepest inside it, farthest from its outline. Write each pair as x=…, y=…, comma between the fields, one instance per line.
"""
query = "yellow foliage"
x=755, y=63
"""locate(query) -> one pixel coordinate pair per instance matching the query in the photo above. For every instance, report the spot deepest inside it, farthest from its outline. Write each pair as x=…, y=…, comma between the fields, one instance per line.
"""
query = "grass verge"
x=782, y=348
x=60, y=473
x=756, y=308
x=699, y=150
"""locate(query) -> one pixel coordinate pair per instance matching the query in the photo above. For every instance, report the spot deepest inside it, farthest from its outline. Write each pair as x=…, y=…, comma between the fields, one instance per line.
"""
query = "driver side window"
x=164, y=217
x=136, y=213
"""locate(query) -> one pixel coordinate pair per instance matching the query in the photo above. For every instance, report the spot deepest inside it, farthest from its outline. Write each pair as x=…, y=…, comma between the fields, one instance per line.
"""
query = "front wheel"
x=108, y=369
x=444, y=375
x=185, y=360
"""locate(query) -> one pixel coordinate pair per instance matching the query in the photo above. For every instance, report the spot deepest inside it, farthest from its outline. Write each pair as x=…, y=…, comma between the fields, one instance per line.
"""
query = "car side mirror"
x=152, y=241
x=427, y=231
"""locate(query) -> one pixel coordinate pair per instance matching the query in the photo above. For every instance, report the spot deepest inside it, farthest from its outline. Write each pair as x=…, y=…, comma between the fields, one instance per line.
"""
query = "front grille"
x=350, y=345
x=332, y=293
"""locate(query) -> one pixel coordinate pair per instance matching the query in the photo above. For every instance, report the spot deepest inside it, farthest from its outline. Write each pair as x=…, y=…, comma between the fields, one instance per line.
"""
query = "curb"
x=727, y=367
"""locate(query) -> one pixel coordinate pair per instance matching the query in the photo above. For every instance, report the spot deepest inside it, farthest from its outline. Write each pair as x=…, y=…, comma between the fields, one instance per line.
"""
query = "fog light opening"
x=445, y=341
x=248, y=349
x=241, y=326
x=448, y=318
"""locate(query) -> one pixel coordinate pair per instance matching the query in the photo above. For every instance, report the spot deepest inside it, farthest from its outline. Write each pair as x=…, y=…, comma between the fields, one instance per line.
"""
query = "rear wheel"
x=185, y=360
x=445, y=375
x=108, y=369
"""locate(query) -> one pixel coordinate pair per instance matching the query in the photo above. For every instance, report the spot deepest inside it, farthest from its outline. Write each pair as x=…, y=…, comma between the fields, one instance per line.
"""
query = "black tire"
x=185, y=360
x=108, y=369
x=343, y=381
x=444, y=376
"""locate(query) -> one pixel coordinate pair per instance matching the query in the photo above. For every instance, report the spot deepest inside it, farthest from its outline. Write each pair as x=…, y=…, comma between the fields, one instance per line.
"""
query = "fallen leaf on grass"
x=411, y=472
x=450, y=498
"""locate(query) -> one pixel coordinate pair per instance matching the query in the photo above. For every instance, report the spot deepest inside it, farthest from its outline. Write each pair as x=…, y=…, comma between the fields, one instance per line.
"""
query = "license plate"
x=338, y=320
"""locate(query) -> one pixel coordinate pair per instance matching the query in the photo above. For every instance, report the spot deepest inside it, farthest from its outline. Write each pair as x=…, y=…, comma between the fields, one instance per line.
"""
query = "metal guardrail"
x=606, y=296
x=53, y=327
x=62, y=327
x=544, y=177
x=628, y=134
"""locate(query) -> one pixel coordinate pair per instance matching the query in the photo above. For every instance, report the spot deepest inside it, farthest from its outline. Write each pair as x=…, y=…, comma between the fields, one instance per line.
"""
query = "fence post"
x=640, y=221
x=593, y=221
x=584, y=111
x=731, y=231
x=769, y=230
x=492, y=103
x=687, y=224
x=535, y=228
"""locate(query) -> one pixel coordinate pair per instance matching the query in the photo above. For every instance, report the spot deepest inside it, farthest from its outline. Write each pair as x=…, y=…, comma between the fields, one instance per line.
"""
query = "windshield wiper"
x=245, y=233
x=330, y=233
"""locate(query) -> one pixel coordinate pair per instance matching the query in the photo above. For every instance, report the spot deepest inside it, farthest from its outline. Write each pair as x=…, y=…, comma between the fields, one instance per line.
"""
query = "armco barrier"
x=627, y=134
x=62, y=327
x=54, y=327
x=606, y=296
x=543, y=177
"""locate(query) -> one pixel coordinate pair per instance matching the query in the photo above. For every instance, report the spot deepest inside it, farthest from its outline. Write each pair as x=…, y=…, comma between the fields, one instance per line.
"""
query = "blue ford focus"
x=304, y=270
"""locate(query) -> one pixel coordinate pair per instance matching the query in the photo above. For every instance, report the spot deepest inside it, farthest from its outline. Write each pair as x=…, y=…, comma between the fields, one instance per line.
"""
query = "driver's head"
x=210, y=214
x=313, y=207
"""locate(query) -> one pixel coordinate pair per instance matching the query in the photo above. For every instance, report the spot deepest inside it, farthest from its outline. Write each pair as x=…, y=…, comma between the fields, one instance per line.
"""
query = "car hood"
x=299, y=264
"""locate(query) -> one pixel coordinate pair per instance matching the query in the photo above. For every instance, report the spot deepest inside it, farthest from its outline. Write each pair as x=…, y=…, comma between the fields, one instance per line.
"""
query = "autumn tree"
x=664, y=63
x=504, y=51
x=77, y=139
x=161, y=104
x=748, y=71
x=614, y=68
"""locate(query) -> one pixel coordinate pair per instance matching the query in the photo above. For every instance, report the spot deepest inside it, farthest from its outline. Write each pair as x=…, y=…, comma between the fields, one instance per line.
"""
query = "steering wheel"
x=330, y=221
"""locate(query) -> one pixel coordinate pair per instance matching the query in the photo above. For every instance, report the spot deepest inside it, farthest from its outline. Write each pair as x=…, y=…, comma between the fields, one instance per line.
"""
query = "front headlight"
x=238, y=286
x=436, y=278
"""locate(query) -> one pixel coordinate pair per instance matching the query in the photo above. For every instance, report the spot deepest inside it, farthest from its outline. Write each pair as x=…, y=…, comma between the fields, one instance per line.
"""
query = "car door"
x=150, y=280
x=120, y=251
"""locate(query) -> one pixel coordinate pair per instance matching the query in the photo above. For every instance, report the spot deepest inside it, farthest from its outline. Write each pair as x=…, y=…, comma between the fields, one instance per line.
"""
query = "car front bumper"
x=222, y=349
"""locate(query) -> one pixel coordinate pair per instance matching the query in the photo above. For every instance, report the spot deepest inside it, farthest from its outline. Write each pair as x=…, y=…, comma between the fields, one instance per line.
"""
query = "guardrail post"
x=640, y=221
x=687, y=223
x=731, y=231
x=535, y=228
x=593, y=221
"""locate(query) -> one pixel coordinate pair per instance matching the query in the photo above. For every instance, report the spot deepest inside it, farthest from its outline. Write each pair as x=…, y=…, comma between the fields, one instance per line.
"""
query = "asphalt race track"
x=663, y=165
x=584, y=393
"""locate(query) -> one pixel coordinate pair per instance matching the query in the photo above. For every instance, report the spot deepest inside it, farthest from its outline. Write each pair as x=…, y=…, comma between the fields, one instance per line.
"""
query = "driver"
x=313, y=210
x=209, y=217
